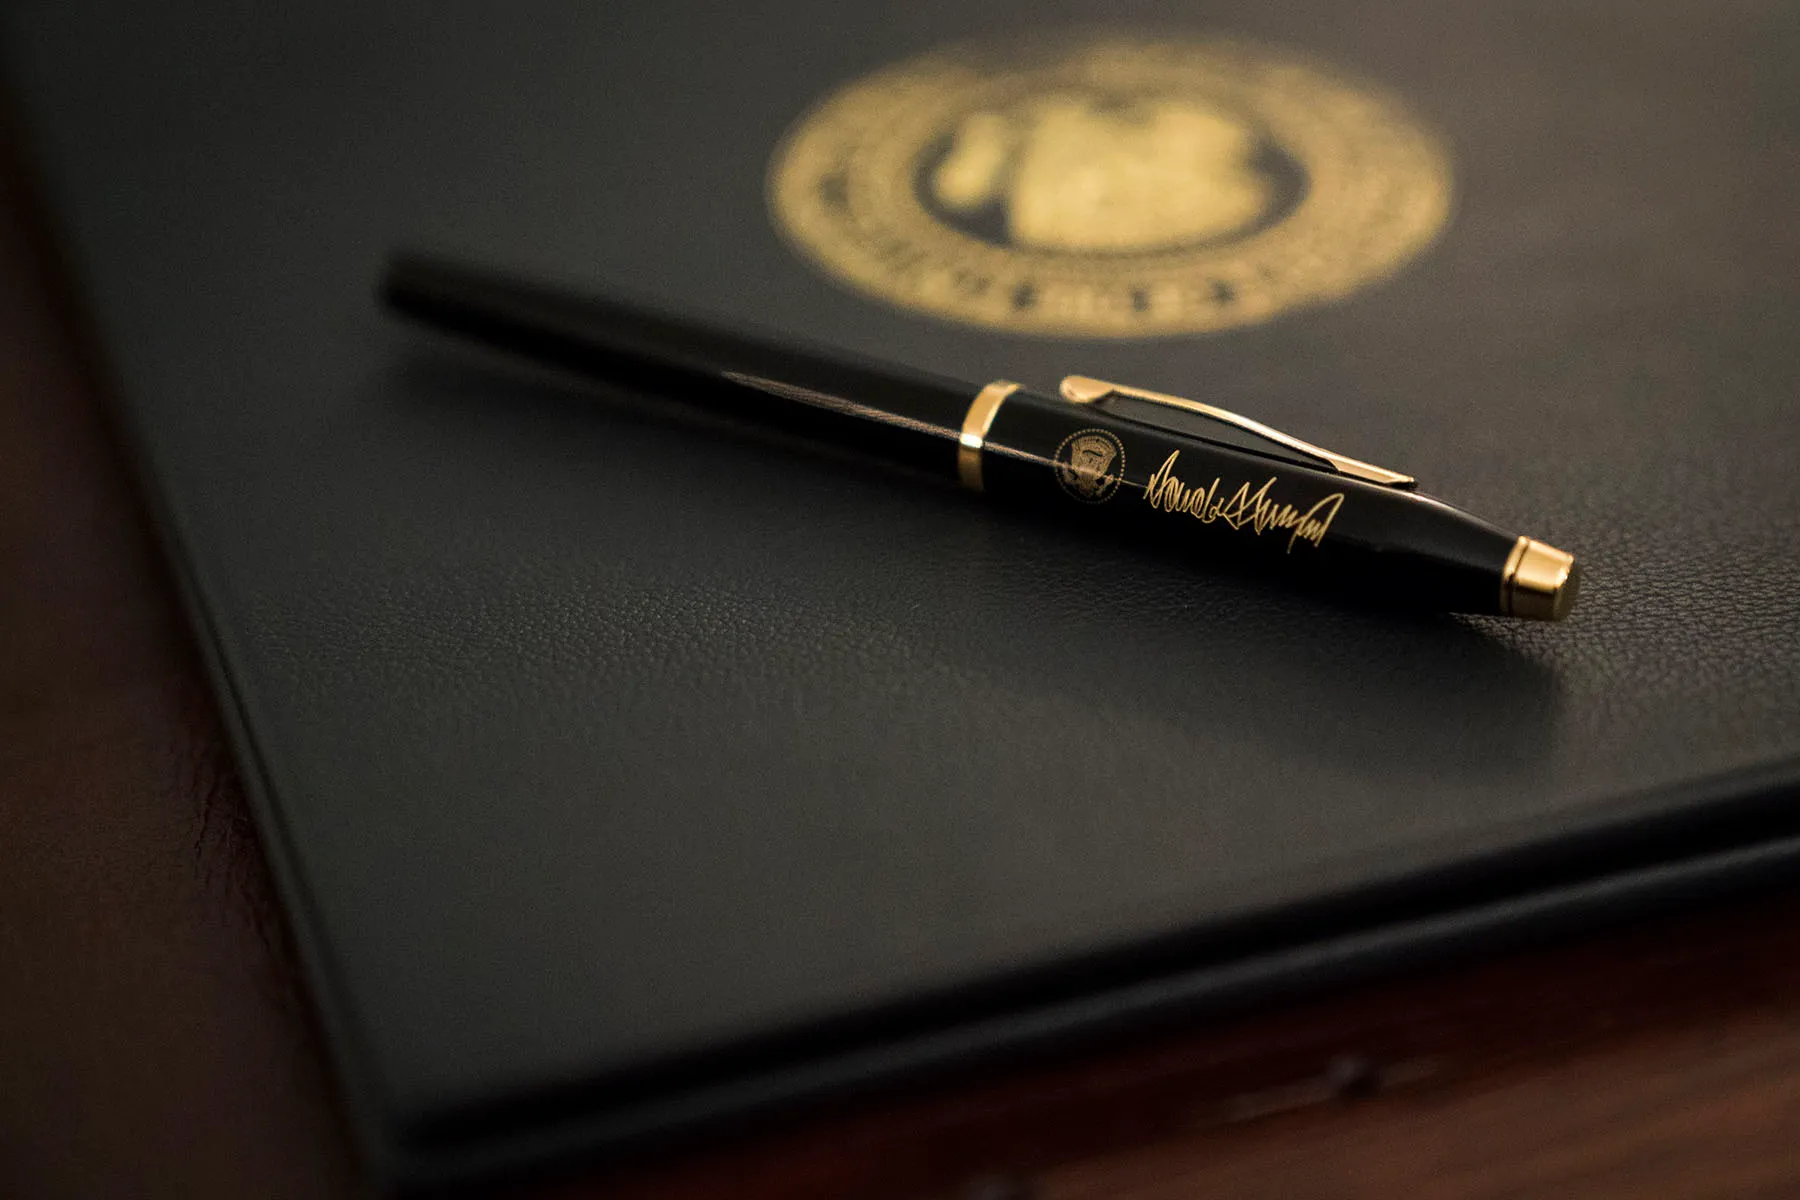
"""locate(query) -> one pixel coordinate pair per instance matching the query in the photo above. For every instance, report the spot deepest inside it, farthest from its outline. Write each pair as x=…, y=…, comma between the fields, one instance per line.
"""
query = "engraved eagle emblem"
x=1088, y=465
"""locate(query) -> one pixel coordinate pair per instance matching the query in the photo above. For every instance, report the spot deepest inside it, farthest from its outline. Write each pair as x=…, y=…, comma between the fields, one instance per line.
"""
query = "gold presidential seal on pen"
x=1090, y=464
x=1110, y=186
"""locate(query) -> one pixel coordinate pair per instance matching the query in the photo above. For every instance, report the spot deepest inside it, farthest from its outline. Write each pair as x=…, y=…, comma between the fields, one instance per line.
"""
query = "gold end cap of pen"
x=1540, y=582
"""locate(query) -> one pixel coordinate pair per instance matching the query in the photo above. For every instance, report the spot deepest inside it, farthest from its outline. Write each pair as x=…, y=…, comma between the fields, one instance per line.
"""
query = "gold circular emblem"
x=1089, y=464
x=1110, y=187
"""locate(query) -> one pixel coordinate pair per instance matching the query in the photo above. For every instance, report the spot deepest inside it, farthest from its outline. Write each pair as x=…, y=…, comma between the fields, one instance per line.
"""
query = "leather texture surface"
x=590, y=742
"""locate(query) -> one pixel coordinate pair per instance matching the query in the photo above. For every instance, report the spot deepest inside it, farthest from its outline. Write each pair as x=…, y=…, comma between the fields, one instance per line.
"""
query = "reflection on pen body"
x=1121, y=457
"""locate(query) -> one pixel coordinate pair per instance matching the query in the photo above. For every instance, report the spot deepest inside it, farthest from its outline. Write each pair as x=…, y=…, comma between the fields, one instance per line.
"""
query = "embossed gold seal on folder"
x=1110, y=186
x=1179, y=474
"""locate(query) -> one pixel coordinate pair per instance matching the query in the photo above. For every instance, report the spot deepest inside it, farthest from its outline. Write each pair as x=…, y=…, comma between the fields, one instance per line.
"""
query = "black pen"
x=1186, y=475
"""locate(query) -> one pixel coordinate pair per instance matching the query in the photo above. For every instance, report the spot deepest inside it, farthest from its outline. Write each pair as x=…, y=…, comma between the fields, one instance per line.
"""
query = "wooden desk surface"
x=154, y=1040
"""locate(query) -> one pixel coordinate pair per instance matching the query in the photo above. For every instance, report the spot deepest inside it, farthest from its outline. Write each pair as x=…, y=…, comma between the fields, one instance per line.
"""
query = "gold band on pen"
x=975, y=426
x=1539, y=582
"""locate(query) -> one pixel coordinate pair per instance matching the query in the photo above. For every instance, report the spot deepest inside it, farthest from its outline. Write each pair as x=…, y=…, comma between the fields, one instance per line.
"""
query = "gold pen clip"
x=1079, y=389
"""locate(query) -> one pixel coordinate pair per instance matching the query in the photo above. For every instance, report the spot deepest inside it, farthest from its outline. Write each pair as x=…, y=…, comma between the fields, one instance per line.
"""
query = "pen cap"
x=1541, y=582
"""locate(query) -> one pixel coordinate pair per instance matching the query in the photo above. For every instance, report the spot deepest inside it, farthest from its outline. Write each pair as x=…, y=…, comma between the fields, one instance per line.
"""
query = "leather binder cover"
x=624, y=774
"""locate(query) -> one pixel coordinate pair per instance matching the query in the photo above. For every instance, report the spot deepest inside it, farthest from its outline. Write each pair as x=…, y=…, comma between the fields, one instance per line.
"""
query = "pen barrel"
x=1129, y=470
x=908, y=418
x=1201, y=500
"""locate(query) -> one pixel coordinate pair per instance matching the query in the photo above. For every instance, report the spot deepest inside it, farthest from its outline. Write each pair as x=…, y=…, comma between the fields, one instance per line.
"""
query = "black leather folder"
x=626, y=774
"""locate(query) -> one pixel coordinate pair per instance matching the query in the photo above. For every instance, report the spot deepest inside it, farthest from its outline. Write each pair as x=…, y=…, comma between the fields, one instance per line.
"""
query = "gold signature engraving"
x=1110, y=186
x=1255, y=510
x=1090, y=464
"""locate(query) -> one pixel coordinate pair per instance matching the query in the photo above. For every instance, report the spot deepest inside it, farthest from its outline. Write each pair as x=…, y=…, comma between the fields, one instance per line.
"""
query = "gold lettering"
x=1244, y=509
